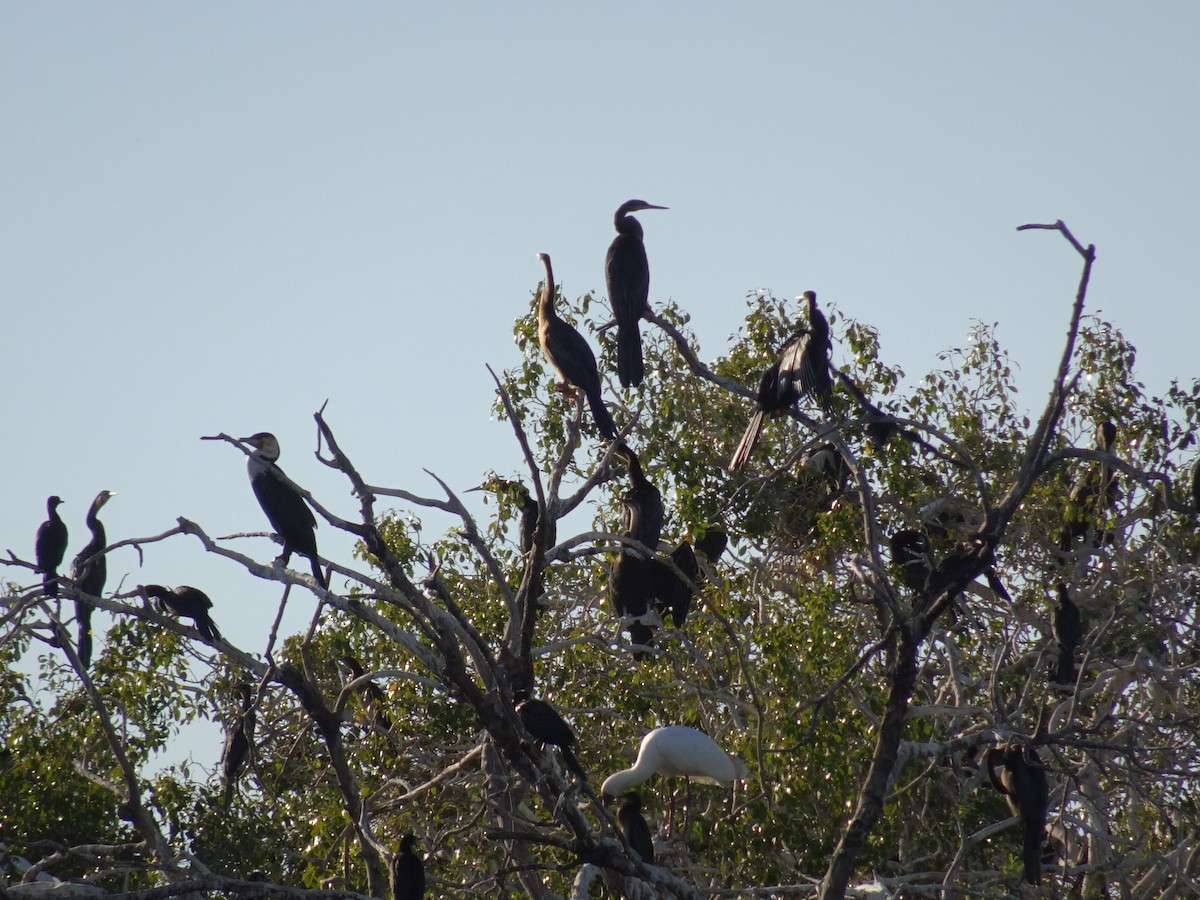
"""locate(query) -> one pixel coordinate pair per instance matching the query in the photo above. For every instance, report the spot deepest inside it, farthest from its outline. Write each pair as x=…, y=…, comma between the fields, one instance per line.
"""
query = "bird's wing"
x=282, y=504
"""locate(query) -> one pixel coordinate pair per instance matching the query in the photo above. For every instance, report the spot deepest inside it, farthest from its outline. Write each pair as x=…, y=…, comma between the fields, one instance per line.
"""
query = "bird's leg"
x=283, y=558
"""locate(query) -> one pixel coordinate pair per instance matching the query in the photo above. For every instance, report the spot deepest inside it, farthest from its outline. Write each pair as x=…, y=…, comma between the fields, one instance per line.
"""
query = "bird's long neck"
x=546, y=306
x=97, y=528
x=628, y=225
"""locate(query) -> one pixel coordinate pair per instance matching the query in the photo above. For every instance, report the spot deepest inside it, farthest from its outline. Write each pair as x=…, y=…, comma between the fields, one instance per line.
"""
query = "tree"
x=869, y=690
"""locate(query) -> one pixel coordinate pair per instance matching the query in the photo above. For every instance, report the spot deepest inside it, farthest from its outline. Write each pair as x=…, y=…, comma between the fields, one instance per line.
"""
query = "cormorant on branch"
x=190, y=602
x=89, y=571
x=633, y=579
x=1067, y=625
x=286, y=510
x=570, y=355
x=910, y=552
x=1019, y=776
x=51, y=547
x=544, y=722
x=801, y=370
x=1093, y=496
x=627, y=273
x=634, y=827
x=239, y=738
x=408, y=872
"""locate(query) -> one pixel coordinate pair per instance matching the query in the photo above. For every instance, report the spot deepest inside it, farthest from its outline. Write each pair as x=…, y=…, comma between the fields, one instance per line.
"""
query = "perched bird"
x=634, y=828
x=628, y=276
x=712, y=543
x=910, y=552
x=352, y=670
x=544, y=722
x=634, y=580
x=89, y=571
x=644, y=512
x=507, y=490
x=1067, y=626
x=286, y=510
x=408, y=872
x=677, y=750
x=239, y=739
x=570, y=355
x=673, y=594
x=801, y=370
x=186, y=601
x=1019, y=776
x=1196, y=486
x=51, y=547
x=1093, y=496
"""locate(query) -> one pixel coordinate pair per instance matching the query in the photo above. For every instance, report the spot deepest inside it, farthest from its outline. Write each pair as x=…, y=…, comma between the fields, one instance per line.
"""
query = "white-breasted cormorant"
x=801, y=369
x=634, y=827
x=239, y=738
x=1019, y=776
x=544, y=722
x=570, y=355
x=286, y=510
x=89, y=571
x=408, y=871
x=627, y=273
x=189, y=602
x=51, y=547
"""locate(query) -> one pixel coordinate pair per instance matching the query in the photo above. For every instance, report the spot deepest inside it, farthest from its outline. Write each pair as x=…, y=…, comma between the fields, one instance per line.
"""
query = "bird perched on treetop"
x=800, y=370
x=570, y=355
x=286, y=510
x=51, y=547
x=1019, y=776
x=89, y=571
x=186, y=601
x=544, y=722
x=627, y=273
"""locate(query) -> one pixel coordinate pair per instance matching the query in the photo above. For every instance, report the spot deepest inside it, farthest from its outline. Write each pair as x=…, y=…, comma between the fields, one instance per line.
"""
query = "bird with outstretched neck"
x=627, y=273
x=50, y=547
x=89, y=572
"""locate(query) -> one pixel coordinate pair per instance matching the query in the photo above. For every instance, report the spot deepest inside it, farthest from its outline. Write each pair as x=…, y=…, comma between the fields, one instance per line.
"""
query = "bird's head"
x=632, y=206
x=1106, y=435
x=53, y=503
x=101, y=499
x=350, y=667
x=154, y=592
x=408, y=843
x=265, y=445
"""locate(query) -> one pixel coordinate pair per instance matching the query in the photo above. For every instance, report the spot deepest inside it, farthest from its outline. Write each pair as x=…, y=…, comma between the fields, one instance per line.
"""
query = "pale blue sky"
x=216, y=217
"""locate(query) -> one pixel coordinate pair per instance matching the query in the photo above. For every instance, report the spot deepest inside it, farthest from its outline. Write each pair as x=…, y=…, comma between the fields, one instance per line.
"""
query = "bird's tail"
x=1033, y=850
x=83, y=620
x=50, y=584
x=630, y=368
x=1066, y=667
x=641, y=636
x=317, y=573
x=572, y=762
x=229, y=786
x=601, y=416
x=748, y=442
x=207, y=628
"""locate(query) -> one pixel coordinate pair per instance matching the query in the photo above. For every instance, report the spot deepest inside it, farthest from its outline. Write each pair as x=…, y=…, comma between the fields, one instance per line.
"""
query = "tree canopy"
x=886, y=646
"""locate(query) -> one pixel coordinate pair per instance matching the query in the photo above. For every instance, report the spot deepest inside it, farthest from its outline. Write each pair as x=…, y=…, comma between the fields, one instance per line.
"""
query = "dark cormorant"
x=286, y=510
x=190, y=602
x=408, y=872
x=674, y=595
x=89, y=571
x=1196, y=486
x=628, y=275
x=510, y=491
x=1019, y=776
x=712, y=543
x=1093, y=496
x=570, y=354
x=801, y=370
x=239, y=737
x=644, y=512
x=51, y=547
x=910, y=551
x=634, y=580
x=544, y=722
x=634, y=827
x=376, y=701
x=1067, y=626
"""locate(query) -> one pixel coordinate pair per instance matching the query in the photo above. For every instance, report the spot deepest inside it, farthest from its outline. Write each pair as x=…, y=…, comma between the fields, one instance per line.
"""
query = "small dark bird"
x=286, y=510
x=1093, y=496
x=633, y=580
x=545, y=724
x=239, y=738
x=89, y=571
x=507, y=490
x=634, y=827
x=644, y=511
x=801, y=370
x=376, y=701
x=189, y=602
x=1019, y=776
x=1196, y=486
x=408, y=872
x=570, y=355
x=51, y=547
x=673, y=594
x=1067, y=625
x=627, y=273
x=712, y=543
x=910, y=552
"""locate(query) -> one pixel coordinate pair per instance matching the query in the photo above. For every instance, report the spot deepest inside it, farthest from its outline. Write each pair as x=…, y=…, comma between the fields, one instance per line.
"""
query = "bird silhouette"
x=1018, y=775
x=50, y=547
x=627, y=274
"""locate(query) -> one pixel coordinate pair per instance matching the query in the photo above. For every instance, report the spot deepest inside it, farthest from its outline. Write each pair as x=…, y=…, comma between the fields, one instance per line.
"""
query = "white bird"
x=677, y=750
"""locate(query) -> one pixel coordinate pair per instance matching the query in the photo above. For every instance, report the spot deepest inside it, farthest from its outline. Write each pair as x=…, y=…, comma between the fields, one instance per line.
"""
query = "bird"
x=678, y=750
x=570, y=355
x=408, y=872
x=1067, y=627
x=186, y=601
x=1092, y=497
x=712, y=543
x=1196, y=486
x=673, y=594
x=286, y=510
x=634, y=828
x=627, y=274
x=544, y=722
x=352, y=670
x=1022, y=781
x=644, y=512
x=89, y=571
x=910, y=552
x=634, y=580
x=801, y=369
x=51, y=547
x=239, y=738
x=507, y=490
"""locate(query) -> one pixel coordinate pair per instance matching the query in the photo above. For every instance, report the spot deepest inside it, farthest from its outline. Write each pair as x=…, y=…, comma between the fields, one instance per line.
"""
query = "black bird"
x=628, y=276
x=570, y=355
x=673, y=594
x=1022, y=781
x=286, y=510
x=51, y=547
x=910, y=552
x=801, y=370
x=1067, y=626
x=644, y=512
x=1196, y=486
x=543, y=722
x=712, y=543
x=376, y=701
x=634, y=580
x=634, y=827
x=187, y=601
x=239, y=738
x=408, y=872
x=510, y=491
x=1093, y=496
x=89, y=571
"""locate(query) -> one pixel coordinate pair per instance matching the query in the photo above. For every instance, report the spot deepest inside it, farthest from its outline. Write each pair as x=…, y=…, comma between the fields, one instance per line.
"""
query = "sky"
x=217, y=217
